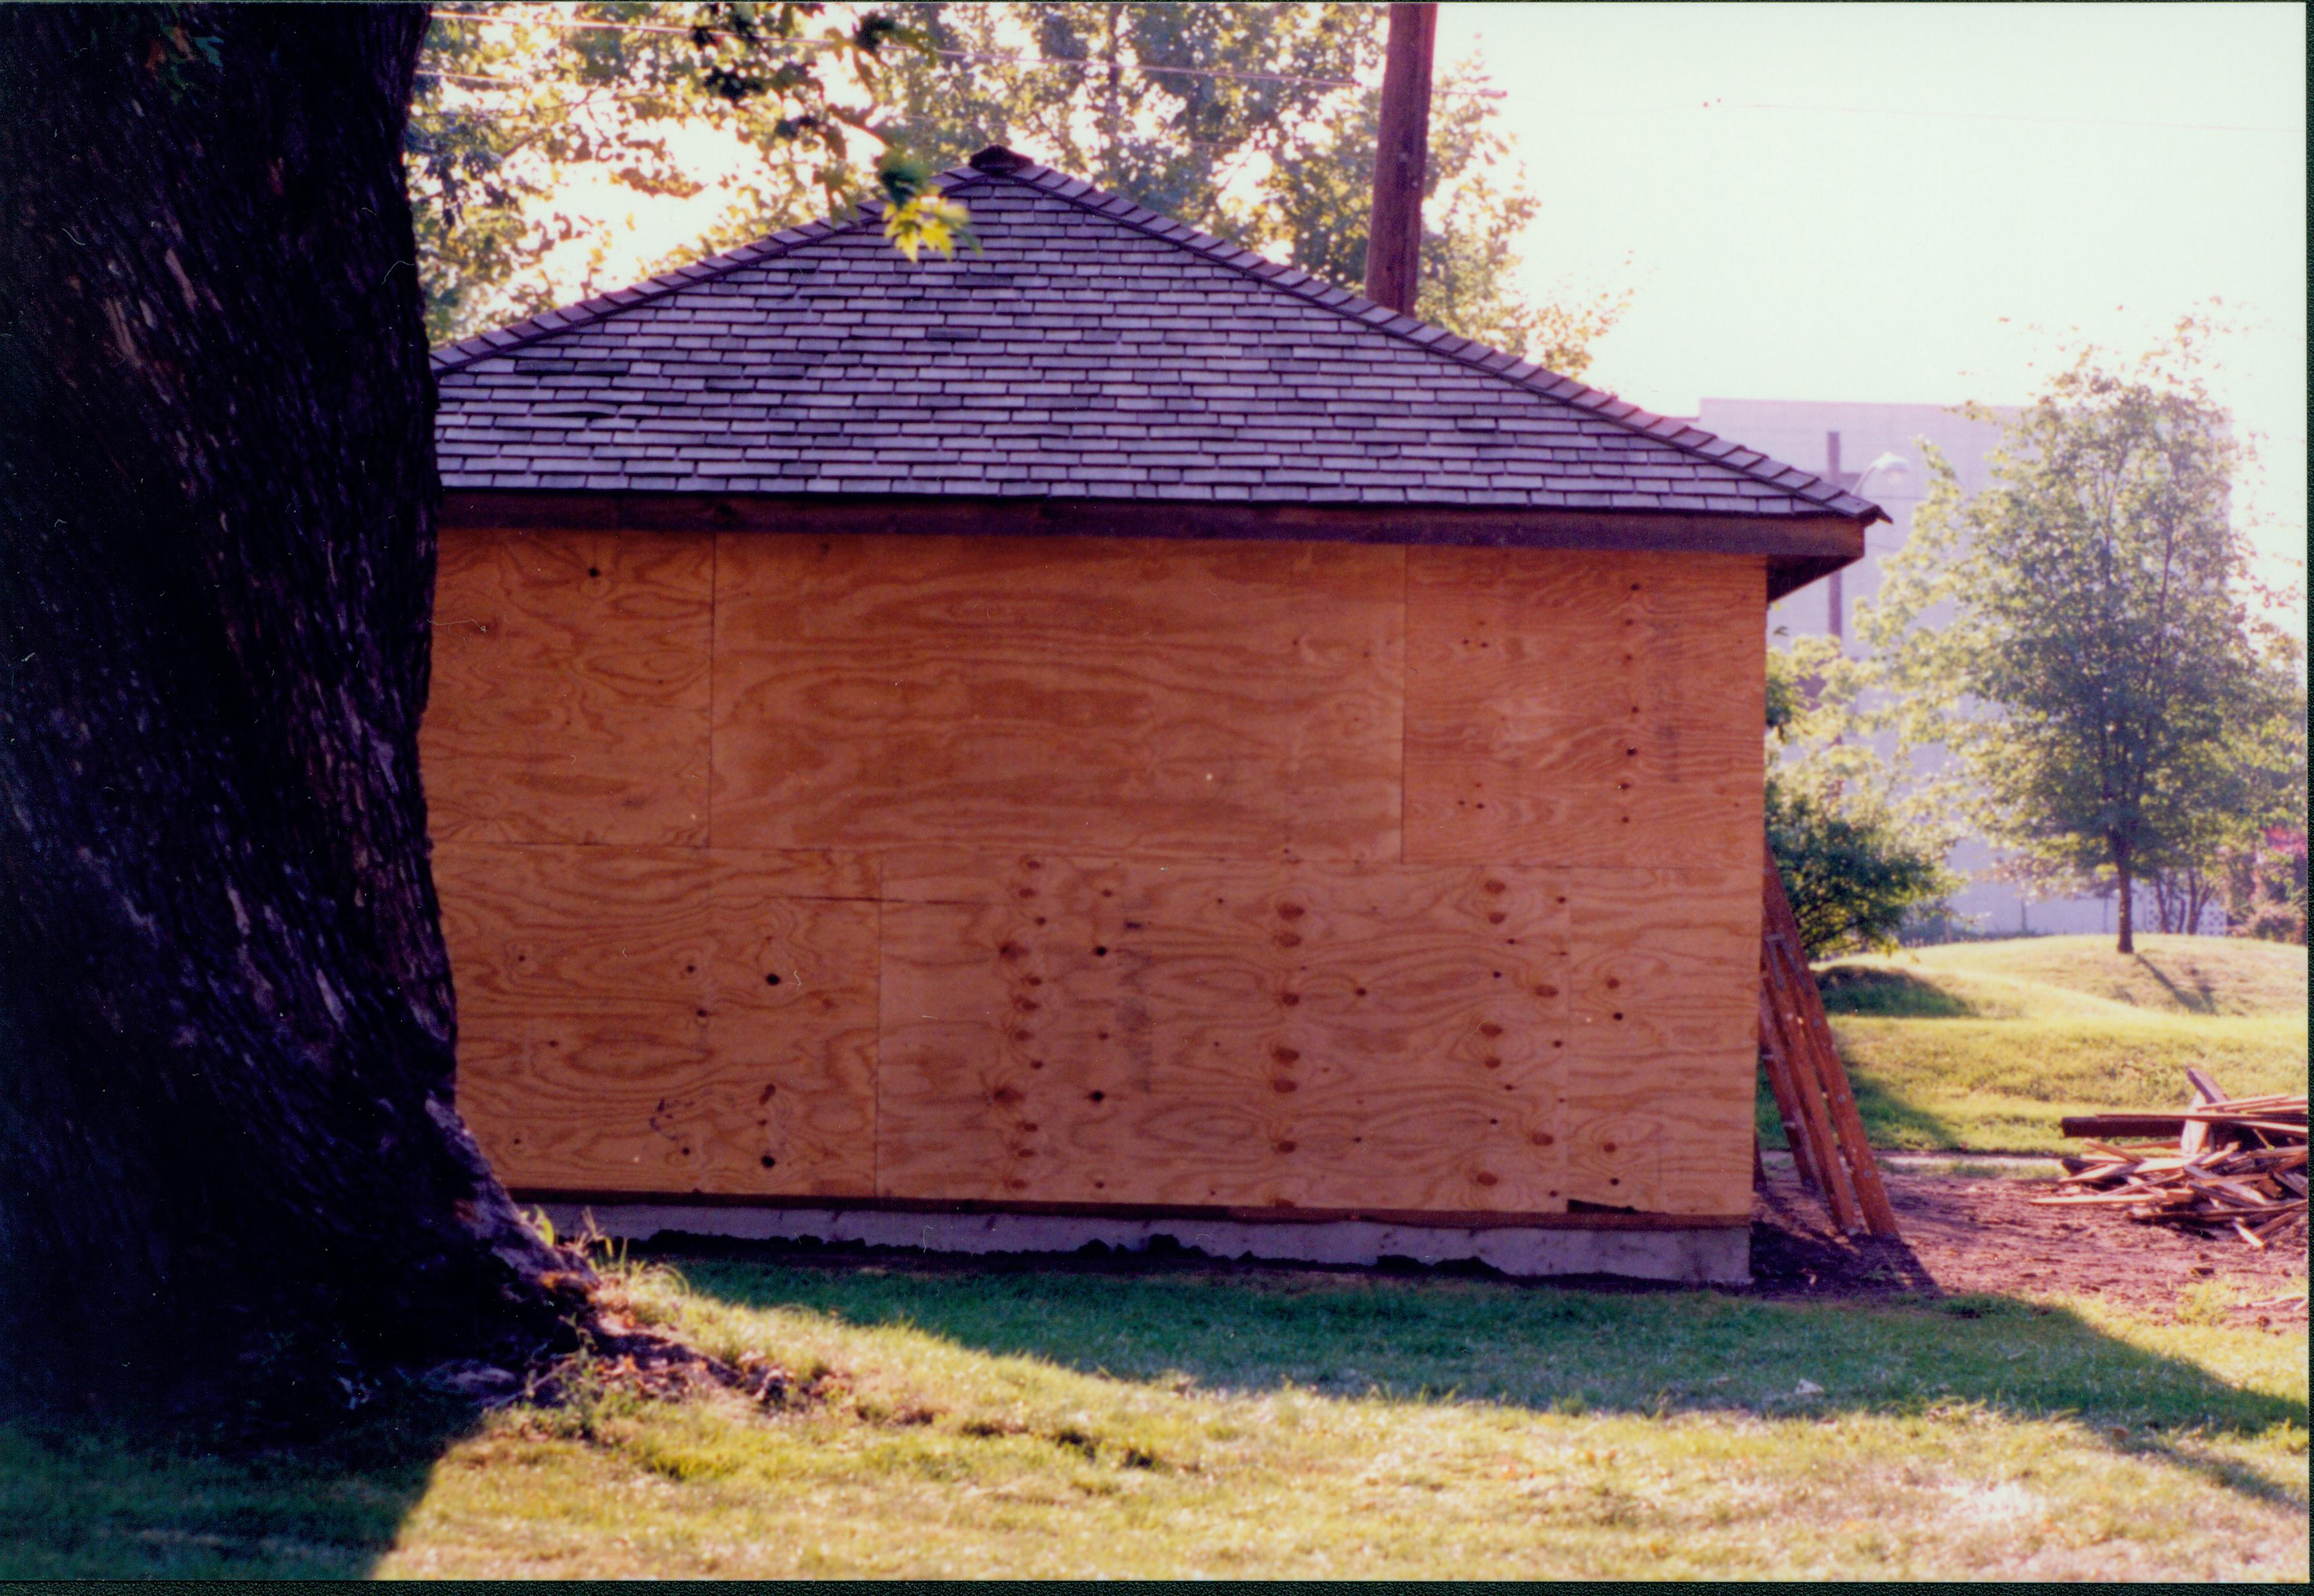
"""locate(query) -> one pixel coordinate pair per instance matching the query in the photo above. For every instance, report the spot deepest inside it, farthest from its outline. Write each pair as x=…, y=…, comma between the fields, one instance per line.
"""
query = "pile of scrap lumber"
x=2238, y=1162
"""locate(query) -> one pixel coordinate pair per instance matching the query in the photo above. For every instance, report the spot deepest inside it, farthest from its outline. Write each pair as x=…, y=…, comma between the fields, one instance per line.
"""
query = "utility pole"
x=1394, y=232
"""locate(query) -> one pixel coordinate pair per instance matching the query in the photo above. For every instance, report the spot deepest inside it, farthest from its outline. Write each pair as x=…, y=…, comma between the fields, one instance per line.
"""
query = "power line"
x=1972, y=116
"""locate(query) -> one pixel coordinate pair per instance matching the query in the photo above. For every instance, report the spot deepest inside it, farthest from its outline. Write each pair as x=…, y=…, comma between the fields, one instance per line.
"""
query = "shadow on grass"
x=1544, y=1349
x=90, y=1503
x=2202, y=1000
x=1887, y=994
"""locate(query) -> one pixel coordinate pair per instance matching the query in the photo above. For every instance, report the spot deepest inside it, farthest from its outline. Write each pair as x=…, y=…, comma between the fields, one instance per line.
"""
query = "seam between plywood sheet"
x=876, y=1061
x=1405, y=686
x=714, y=646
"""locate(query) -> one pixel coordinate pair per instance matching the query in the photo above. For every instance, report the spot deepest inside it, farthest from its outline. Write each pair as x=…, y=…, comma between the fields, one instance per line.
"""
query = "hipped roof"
x=1088, y=350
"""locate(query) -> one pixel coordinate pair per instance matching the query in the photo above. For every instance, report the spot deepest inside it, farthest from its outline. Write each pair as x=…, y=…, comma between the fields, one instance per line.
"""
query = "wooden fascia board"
x=1798, y=548
x=1605, y=1218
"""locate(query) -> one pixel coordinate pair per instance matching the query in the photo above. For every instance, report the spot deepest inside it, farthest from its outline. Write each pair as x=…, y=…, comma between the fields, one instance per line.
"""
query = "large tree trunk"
x=2125, y=901
x=228, y=1157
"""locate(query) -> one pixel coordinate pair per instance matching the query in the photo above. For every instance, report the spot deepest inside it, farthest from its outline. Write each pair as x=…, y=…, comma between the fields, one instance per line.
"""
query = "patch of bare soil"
x=1963, y=1235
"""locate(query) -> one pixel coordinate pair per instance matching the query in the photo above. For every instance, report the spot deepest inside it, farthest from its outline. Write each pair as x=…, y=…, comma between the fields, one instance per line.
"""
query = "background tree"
x=1856, y=867
x=1241, y=119
x=2100, y=654
x=2247, y=852
x=230, y=1166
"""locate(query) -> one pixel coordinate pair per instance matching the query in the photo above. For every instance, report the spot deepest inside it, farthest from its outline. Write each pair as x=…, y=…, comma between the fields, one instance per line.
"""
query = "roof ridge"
x=1683, y=436
x=602, y=306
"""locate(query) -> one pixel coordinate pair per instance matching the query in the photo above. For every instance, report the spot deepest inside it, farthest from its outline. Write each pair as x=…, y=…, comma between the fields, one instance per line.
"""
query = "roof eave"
x=1797, y=547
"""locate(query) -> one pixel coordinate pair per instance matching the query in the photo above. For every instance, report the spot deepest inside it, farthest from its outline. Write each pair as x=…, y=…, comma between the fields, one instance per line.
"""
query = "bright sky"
x=1897, y=203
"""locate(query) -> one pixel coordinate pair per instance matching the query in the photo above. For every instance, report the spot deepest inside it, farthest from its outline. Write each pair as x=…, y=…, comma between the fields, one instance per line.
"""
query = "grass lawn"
x=1988, y=1044
x=1059, y=1422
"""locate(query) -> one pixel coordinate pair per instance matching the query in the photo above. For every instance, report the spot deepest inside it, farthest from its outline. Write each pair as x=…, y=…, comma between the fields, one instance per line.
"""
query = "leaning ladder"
x=1810, y=1084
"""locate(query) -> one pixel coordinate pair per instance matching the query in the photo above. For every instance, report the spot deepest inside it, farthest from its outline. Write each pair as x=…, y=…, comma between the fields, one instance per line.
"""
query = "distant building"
x=1874, y=450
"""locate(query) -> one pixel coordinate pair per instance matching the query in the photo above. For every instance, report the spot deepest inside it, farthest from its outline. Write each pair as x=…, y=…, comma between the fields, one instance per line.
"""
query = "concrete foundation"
x=1700, y=1255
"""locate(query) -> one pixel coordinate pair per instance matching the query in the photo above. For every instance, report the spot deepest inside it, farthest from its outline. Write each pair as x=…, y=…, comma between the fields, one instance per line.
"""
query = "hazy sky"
x=1844, y=202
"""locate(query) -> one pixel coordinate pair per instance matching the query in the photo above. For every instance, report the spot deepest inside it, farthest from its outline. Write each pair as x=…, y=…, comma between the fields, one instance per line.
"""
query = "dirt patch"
x=1964, y=1236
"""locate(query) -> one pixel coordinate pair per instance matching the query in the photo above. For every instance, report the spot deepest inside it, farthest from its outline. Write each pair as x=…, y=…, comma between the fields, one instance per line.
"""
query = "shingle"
x=1091, y=348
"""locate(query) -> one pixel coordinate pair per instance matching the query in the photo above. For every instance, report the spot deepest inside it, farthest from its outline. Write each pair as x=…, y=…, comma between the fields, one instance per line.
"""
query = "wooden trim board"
x=1453, y=1218
x=1798, y=548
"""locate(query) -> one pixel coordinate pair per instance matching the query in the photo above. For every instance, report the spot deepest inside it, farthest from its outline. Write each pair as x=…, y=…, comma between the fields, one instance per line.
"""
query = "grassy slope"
x=1065, y=1424
x=1988, y=1044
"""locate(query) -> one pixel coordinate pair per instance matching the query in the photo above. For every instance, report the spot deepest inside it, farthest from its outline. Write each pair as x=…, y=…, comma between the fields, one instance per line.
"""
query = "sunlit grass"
x=1058, y=1422
x=1989, y=1044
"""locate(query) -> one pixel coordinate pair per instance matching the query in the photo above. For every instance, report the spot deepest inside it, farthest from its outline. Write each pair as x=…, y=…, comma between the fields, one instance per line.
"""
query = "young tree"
x=2098, y=654
x=229, y=1159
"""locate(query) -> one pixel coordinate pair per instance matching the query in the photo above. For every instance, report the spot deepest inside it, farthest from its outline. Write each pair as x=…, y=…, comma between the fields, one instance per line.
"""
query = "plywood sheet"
x=665, y=1019
x=1097, y=694
x=1663, y=1049
x=570, y=698
x=1591, y=708
x=1311, y=1035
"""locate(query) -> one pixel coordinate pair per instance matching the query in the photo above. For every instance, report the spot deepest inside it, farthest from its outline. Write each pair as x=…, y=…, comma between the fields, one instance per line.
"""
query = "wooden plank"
x=2194, y=1135
x=1663, y=1050
x=1102, y=696
x=1804, y=1013
x=1312, y=1035
x=570, y=700
x=1582, y=709
x=1810, y=1124
x=1777, y=1066
x=665, y=1019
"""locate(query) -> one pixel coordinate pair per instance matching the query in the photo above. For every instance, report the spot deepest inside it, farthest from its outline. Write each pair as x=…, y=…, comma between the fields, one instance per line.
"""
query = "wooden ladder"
x=1809, y=1082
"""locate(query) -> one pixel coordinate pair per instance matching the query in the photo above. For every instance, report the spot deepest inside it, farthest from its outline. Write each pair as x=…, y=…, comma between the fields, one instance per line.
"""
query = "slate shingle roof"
x=1089, y=349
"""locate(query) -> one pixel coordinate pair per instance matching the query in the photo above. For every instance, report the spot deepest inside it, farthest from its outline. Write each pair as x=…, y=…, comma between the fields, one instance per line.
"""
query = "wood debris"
x=2235, y=1164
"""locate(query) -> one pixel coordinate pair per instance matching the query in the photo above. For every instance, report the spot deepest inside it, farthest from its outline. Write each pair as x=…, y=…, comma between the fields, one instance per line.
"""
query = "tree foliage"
x=1245, y=120
x=512, y=100
x=1852, y=875
x=2099, y=658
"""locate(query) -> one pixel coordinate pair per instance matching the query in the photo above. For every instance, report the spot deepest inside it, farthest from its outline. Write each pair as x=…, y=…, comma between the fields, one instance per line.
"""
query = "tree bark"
x=2124, y=902
x=229, y=1161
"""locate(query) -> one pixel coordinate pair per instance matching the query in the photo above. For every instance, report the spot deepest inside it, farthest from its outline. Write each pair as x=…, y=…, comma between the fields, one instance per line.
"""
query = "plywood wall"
x=1102, y=870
